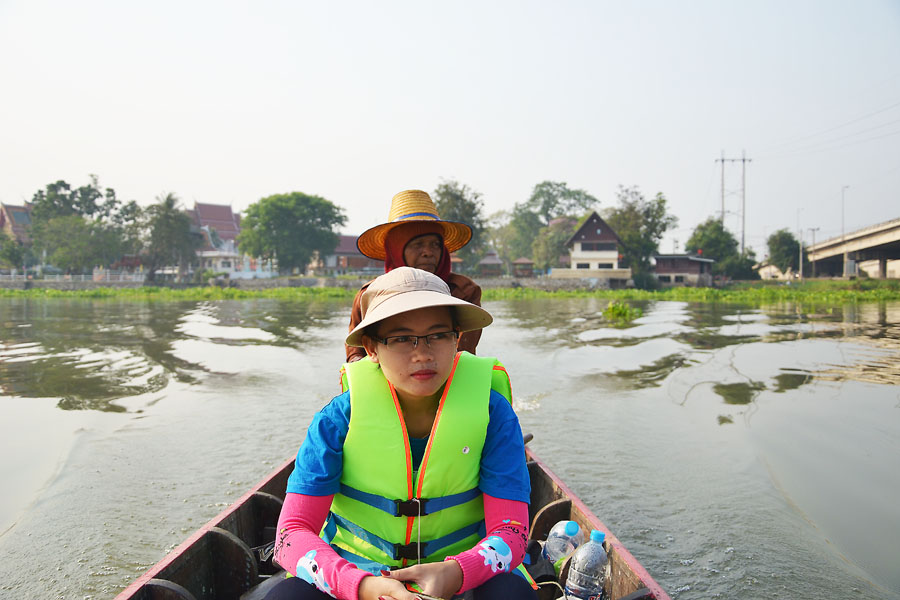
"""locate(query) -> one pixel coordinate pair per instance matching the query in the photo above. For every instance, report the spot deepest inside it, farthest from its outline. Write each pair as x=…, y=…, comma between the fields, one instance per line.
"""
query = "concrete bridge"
x=841, y=255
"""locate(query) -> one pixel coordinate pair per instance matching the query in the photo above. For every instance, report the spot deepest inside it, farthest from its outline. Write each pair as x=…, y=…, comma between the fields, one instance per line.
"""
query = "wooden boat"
x=230, y=557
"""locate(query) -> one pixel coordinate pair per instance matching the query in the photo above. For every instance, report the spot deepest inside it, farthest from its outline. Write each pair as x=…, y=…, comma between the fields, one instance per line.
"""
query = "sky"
x=228, y=102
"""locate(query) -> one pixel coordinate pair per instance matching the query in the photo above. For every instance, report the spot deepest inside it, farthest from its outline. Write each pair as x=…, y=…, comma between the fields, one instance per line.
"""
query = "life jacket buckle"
x=413, y=507
x=408, y=551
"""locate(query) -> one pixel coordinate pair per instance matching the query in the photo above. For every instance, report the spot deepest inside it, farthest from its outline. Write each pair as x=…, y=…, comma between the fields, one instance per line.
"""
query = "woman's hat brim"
x=371, y=242
x=468, y=316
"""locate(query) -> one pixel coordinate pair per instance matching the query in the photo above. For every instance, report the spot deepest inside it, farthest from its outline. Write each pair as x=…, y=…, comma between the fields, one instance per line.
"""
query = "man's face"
x=424, y=252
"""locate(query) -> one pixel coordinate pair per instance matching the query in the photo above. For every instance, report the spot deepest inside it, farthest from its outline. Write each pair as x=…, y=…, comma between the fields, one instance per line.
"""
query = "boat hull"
x=230, y=557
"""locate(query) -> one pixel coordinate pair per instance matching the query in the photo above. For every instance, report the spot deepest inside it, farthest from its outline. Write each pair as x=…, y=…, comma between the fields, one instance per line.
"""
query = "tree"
x=711, y=240
x=60, y=200
x=551, y=243
x=640, y=224
x=458, y=202
x=108, y=230
x=290, y=228
x=512, y=233
x=72, y=247
x=553, y=199
x=784, y=250
x=169, y=238
x=12, y=253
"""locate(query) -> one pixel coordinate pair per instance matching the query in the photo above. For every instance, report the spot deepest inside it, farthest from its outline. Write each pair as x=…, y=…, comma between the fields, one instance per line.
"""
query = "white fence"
x=104, y=275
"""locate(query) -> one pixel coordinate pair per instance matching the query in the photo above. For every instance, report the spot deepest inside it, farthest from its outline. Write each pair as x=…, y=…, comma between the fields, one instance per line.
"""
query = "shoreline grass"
x=819, y=292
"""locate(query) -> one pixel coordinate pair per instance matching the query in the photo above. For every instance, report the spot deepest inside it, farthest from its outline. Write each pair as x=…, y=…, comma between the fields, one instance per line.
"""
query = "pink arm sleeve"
x=506, y=519
x=298, y=540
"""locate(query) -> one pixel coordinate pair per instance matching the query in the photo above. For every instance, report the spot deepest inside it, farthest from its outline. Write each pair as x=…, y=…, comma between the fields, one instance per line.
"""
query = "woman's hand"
x=383, y=588
x=440, y=579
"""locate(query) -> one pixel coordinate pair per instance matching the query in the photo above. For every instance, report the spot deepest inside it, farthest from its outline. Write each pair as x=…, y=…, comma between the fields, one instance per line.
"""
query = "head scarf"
x=398, y=237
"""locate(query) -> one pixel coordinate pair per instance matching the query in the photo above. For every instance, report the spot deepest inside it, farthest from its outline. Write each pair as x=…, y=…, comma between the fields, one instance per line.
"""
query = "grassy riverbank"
x=834, y=292
x=755, y=292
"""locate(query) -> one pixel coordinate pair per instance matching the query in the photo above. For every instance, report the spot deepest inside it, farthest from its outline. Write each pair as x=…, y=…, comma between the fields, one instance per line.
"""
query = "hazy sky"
x=227, y=102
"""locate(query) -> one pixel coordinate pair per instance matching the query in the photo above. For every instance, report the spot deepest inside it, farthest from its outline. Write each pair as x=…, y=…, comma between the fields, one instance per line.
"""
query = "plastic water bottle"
x=588, y=570
x=564, y=537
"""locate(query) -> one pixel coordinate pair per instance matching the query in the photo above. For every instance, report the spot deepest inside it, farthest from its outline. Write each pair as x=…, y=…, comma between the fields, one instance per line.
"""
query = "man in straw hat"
x=413, y=480
x=415, y=236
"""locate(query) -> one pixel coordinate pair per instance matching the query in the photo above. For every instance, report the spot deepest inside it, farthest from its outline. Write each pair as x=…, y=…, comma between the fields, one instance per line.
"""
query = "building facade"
x=594, y=253
x=683, y=270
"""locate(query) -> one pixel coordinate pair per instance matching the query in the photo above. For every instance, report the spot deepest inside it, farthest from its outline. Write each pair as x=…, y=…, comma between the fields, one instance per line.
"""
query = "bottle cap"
x=597, y=536
x=571, y=528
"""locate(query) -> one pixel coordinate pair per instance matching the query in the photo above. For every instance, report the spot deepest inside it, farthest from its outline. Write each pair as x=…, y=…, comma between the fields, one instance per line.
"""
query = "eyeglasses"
x=407, y=343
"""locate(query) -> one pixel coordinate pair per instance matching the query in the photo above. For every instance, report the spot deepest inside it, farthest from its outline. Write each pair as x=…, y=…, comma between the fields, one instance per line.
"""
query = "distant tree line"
x=77, y=229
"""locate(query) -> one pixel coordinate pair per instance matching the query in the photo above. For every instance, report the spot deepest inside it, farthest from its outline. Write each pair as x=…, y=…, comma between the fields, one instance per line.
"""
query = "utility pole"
x=812, y=263
x=722, y=218
x=843, y=242
x=743, y=160
x=800, y=245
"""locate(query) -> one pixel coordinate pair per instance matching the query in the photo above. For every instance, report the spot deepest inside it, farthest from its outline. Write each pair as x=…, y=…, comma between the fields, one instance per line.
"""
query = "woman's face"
x=424, y=252
x=416, y=373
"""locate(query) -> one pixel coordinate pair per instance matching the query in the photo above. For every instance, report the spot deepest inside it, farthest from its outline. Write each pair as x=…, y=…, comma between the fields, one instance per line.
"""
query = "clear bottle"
x=564, y=537
x=588, y=569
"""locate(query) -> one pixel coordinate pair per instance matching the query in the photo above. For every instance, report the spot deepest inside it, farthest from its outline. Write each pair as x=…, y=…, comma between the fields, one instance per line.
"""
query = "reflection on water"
x=697, y=328
x=89, y=353
x=736, y=451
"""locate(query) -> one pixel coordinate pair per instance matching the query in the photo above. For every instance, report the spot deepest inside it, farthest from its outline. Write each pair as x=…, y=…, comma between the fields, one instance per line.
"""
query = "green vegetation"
x=621, y=313
x=640, y=224
x=817, y=292
x=186, y=294
x=458, y=202
x=711, y=240
x=291, y=229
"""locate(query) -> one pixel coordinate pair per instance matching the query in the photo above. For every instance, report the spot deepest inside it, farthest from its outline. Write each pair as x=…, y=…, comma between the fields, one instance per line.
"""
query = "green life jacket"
x=385, y=514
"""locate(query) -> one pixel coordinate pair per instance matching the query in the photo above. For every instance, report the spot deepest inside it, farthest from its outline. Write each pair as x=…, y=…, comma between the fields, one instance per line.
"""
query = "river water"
x=735, y=451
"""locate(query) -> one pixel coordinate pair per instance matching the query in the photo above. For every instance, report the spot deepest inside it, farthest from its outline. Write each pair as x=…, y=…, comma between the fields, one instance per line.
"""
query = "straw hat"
x=404, y=289
x=412, y=205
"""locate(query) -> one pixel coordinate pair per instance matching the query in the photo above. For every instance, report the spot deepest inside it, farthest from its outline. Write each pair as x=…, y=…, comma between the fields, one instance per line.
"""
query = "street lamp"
x=812, y=263
x=843, y=243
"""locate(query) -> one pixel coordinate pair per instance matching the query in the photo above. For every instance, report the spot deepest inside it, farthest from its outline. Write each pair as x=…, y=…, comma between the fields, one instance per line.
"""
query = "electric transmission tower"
x=743, y=160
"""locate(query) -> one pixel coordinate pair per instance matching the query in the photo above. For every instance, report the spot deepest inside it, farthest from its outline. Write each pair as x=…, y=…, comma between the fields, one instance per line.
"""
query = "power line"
x=836, y=127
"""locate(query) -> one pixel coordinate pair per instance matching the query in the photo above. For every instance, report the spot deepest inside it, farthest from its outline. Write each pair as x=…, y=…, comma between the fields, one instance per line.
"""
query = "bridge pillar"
x=882, y=268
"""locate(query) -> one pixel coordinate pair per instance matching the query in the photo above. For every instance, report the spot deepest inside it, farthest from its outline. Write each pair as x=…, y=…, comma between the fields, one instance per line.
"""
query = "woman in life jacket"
x=412, y=482
x=416, y=236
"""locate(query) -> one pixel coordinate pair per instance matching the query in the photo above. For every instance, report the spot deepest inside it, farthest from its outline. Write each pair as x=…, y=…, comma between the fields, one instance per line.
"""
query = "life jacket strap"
x=413, y=550
x=412, y=507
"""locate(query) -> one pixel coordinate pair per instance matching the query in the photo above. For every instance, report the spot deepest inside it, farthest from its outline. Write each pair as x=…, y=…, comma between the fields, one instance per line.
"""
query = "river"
x=735, y=451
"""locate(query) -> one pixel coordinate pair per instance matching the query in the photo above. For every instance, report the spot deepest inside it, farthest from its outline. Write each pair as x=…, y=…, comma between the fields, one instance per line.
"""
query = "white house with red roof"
x=220, y=226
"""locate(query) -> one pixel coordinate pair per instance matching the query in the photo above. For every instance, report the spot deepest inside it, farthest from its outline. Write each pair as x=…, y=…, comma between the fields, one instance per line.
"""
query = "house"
x=523, y=267
x=594, y=254
x=219, y=226
x=683, y=270
x=218, y=217
x=767, y=270
x=345, y=259
x=15, y=221
x=490, y=265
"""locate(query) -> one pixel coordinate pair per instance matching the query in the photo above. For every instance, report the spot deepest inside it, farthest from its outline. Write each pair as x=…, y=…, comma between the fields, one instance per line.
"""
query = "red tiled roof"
x=15, y=220
x=218, y=217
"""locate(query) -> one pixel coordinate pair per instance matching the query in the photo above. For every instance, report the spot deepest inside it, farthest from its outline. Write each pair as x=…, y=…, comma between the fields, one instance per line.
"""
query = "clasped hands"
x=439, y=579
